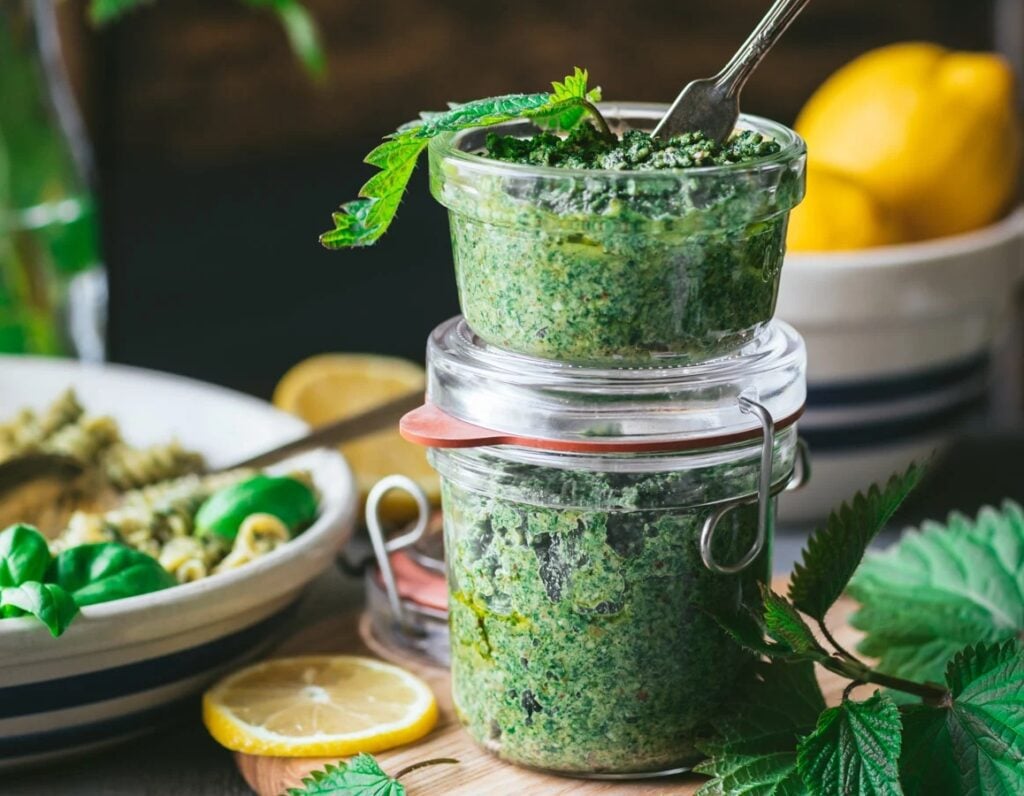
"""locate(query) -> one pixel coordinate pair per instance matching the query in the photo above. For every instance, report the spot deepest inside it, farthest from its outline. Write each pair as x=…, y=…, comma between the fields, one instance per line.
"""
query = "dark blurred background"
x=220, y=159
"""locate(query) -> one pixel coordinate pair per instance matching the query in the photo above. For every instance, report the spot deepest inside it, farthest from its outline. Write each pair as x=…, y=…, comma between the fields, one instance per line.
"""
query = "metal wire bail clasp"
x=382, y=547
x=765, y=493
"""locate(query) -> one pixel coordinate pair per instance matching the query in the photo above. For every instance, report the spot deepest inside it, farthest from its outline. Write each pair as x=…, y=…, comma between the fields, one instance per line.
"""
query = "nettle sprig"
x=944, y=610
x=362, y=221
x=361, y=776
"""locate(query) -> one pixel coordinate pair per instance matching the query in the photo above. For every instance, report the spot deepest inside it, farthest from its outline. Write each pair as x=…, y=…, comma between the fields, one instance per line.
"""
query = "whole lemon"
x=838, y=213
x=931, y=135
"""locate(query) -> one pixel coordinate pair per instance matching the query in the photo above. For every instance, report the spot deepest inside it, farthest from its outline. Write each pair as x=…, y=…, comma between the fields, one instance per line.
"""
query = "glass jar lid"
x=517, y=399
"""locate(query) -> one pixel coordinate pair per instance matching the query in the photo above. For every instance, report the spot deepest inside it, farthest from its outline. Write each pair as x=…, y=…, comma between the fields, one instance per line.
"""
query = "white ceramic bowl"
x=122, y=667
x=899, y=341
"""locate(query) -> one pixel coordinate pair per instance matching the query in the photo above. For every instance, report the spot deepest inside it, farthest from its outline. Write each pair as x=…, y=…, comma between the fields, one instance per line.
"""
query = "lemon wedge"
x=333, y=386
x=319, y=706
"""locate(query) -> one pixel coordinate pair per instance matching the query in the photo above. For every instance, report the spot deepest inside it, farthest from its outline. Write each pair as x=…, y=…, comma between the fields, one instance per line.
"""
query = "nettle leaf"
x=753, y=751
x=785, y=625
x=569, y=92
x=855, y=748
x=834, y=552
x=99, y=573
x=361, y=776
x=24, y=555
x=48, y=602
x=975, y=745
x=363, y=221
x=745, y=626
x=940, y=589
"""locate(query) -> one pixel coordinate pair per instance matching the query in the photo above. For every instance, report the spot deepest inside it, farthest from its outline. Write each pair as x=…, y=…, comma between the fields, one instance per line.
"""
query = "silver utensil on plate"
x=21, y=470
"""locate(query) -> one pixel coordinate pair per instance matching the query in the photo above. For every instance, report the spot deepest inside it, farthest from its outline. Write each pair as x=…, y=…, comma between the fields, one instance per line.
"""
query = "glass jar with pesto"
x=592, y=517
x=625, y=252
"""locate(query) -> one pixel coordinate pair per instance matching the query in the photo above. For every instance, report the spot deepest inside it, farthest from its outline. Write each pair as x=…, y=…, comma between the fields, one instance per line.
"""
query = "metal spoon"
x=18, y=471
x=712, y=105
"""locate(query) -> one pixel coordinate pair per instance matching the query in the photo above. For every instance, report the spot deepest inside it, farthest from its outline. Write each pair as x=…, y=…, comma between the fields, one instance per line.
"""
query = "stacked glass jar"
x=612, y=420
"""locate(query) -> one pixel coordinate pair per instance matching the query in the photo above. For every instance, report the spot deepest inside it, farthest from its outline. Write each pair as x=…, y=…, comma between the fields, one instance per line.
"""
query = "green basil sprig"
x=99, y=573
x=53, y=589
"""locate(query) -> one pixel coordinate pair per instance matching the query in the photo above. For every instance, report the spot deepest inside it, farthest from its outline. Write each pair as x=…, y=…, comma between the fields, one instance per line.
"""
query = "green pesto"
x=580, y=639
x=616, y=270
x=635, y=150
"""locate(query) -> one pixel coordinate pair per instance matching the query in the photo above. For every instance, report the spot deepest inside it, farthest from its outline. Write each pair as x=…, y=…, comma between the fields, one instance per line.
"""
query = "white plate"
x=123, y=666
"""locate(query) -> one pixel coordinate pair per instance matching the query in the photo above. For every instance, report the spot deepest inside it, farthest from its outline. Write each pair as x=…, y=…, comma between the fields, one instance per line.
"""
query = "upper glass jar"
x=617, y=268
x=593, y=519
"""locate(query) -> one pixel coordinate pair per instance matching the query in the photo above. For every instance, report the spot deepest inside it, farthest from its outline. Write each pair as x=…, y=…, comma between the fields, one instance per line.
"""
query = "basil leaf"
x=941, y=589
x=48, y=602
x=99, y=573
x=359, y=776
x=24, y=555
x=833, y=552
x=288, y=499
x=976, y=743
x=855, y=748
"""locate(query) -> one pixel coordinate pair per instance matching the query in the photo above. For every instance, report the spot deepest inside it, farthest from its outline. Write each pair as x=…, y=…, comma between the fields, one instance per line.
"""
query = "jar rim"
x=448, y=147
x=524, y=397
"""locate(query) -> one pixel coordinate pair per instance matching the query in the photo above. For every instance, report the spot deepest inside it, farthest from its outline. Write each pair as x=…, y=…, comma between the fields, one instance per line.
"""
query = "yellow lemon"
x=324, y=706
x=931, y=134
x=332, y=386
x=839, y=214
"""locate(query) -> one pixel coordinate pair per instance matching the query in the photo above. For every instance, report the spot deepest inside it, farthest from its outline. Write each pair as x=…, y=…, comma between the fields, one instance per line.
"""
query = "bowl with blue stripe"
x=122, y=668
x=903, y=352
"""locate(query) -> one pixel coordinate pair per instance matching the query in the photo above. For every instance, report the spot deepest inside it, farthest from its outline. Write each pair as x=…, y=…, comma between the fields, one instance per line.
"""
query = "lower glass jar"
x=582, y=641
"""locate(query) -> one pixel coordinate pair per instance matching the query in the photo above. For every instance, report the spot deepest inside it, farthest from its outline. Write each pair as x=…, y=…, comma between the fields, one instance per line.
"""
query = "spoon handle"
x=384, y=416
x=779, y=17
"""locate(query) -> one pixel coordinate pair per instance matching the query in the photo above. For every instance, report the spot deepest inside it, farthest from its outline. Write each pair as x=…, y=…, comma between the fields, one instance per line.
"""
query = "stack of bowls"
x=900, y=340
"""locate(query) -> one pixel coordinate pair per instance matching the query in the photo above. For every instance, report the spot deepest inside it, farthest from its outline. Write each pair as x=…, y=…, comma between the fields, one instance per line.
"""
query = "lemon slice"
x=319, y=706
x=332, y=386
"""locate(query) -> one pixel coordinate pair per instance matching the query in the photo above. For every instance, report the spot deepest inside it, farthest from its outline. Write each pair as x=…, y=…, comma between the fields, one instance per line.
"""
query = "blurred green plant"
x=299, y=25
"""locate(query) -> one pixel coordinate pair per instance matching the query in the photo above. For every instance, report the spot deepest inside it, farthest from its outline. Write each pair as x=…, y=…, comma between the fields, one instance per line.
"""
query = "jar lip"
x=792, y=147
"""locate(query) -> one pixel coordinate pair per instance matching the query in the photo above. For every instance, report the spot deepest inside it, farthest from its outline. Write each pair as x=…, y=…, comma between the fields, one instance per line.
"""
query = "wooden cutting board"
x=478, y=773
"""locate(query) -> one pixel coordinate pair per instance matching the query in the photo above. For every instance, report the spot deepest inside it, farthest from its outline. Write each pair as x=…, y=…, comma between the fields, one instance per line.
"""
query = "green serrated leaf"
x=48, y=602
x=478, y=113
x=940, y=589
x=834, y=552
x=975, y=745
x=753, y=750
x=752, y=775
x=855, y=748
x=569, y=94
x=362, y=222
x=785, y=625
x=361, y=776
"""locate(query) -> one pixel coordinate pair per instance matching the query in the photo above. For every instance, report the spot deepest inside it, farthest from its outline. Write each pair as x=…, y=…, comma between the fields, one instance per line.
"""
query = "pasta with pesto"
x=157, y=493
